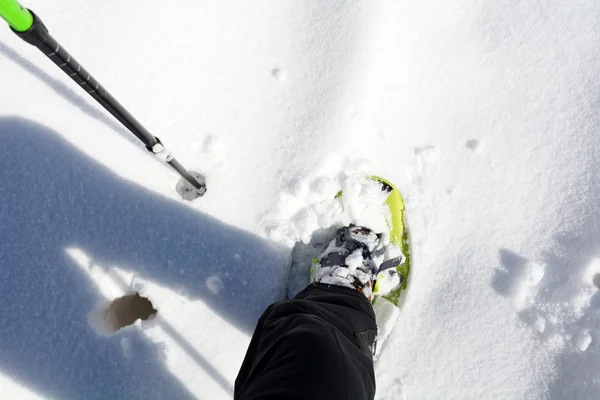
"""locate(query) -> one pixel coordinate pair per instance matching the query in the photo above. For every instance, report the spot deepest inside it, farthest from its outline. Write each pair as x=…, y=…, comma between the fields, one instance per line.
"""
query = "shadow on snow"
x=53, y=197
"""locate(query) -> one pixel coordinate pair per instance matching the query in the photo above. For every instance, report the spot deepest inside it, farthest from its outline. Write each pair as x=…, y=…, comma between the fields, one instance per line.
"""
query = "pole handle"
x=18, y=17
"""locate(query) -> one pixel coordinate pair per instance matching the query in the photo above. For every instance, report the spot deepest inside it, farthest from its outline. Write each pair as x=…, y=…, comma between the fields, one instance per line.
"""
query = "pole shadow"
x=53, y=197
x=66, y=92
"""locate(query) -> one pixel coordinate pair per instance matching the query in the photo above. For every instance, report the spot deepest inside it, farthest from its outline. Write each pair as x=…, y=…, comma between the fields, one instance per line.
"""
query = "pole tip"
x=187, y=191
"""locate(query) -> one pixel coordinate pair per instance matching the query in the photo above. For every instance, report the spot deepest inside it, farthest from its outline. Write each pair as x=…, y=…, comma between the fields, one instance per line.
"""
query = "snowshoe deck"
x=398, y=236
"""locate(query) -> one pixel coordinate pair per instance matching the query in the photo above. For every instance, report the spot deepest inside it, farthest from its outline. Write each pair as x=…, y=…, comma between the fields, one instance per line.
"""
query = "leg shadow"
x=52, y=198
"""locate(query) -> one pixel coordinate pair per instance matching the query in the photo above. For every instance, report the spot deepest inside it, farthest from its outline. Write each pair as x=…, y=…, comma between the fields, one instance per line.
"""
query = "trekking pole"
x=31, y=29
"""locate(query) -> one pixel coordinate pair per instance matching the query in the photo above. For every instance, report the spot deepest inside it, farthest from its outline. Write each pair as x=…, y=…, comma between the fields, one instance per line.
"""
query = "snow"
x=16, y=390
x=387, y=281
x=484, y=114
x=354, y=260
x=583, y=340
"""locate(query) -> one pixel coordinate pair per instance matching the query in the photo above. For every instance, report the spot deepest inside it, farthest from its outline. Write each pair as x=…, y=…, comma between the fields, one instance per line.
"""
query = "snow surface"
x=485, y=115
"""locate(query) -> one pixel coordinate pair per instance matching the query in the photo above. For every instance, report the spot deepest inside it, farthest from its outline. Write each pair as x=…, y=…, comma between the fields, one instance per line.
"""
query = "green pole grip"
x=19, y=18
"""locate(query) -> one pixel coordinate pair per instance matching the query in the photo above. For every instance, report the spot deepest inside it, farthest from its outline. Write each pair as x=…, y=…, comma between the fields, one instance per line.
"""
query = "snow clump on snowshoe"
x=354, y=258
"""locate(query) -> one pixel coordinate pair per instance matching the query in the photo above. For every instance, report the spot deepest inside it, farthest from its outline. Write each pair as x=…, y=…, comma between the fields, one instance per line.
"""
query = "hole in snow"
x=472, y=144
x=125, y=310
x=596, y=280
x=280, y=74
x=214, y=284
x=187, y=191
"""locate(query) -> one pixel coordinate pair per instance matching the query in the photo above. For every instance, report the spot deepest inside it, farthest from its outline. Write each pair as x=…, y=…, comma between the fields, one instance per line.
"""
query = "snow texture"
x=484, y=114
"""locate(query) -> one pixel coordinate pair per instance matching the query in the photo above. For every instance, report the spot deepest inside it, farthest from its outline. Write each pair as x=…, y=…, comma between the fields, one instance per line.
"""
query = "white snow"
x=583, y=340
x=17, y=390
x=354, y=260
x=484, y=114
x=387, y=281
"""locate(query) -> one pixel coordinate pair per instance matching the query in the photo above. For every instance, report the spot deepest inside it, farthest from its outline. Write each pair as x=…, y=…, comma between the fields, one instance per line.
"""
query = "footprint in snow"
x=518, y=279
x=212, y=150
x=596, y=280
x=280, y=74
x=472, y=144
x=426, y=153
x=561, y=310
x=424, y=156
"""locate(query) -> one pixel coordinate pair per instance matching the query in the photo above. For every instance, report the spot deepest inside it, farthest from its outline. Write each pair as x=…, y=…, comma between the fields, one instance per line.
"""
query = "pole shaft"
x=61, y=57
x=38, y=36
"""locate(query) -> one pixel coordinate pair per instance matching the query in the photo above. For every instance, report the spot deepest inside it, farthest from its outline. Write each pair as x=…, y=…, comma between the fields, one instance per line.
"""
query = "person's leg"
x=318, y=345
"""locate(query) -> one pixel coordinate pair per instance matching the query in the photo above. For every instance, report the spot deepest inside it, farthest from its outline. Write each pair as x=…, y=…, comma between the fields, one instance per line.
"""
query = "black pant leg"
x=315, y=346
